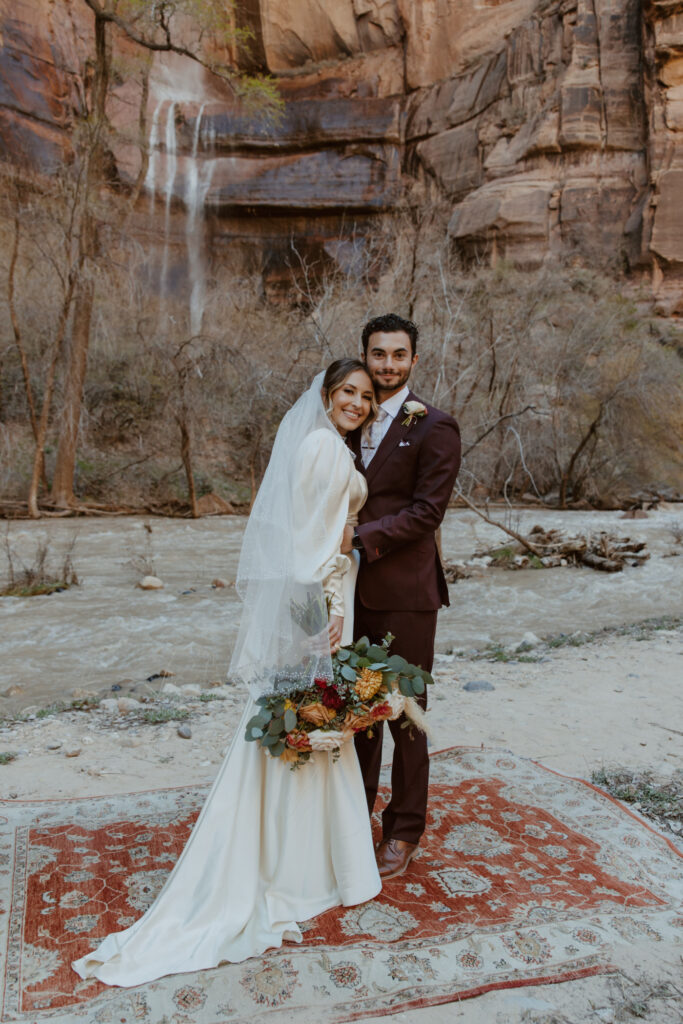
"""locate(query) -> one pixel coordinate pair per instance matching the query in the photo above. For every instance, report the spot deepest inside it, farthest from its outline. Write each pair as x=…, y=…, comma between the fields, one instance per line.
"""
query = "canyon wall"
x=552, y=127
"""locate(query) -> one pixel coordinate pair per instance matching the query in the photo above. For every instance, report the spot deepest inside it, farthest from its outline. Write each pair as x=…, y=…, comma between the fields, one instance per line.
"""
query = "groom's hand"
x=346, y=540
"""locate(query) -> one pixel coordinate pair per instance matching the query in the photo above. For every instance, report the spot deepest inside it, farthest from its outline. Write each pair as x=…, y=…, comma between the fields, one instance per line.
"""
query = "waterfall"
x=197, y=186
x=171, y=168
x=150, y=179
x=197, y=173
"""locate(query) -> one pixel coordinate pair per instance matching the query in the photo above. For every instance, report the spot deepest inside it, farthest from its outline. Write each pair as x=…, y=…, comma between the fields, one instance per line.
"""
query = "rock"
x=477, y=685
x=150, y=583
x=184, y=731
x=80, y=694
x=171, y=690
x=110, y=705
x=12, y=691
x=87, y=740
x=128, y=704
x=528, y=641
x=72, y=751
x=116, y=687
x=218, y=583
x=191, y=688
x=54, y=745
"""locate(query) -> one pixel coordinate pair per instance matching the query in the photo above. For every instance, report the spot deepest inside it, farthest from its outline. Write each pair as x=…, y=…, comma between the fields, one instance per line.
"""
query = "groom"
x=410, y=455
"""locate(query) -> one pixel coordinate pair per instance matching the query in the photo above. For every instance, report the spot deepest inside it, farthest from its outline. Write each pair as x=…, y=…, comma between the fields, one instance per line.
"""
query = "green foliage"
x=7, y=756
x=156, y=716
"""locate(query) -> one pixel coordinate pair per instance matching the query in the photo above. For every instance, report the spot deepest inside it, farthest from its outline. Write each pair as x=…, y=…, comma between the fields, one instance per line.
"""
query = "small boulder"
x=184, y=731
x=110, y=705
x=528, y=641
x=477, y=685
x=150, y=583
x=127, y=704
x=171, y=689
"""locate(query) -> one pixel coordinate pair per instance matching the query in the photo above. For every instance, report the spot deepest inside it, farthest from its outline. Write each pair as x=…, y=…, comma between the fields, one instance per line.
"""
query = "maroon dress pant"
x=405, y=815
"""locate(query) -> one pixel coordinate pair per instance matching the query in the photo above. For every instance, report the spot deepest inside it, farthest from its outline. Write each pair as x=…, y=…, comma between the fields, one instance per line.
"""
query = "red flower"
x=380, y=710
x=322, y=684
x=331, y=699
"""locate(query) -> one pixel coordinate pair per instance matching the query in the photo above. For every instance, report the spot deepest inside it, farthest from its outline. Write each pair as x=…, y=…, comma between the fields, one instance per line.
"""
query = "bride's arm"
x=323, y=477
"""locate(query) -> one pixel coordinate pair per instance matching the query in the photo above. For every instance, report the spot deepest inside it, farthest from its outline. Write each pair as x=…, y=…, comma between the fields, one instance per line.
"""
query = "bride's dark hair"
x=336, y=375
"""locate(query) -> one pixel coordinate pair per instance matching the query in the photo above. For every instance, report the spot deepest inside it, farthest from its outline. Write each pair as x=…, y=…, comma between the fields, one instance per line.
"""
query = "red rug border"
x=480, y=990
x=443, y=750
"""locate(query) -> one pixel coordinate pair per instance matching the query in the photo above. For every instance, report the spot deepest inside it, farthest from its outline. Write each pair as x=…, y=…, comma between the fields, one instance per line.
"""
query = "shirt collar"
x=393, y=404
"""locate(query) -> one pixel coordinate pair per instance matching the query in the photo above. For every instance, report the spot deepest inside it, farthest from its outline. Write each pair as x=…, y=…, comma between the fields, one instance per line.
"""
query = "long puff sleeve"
x=324, y=468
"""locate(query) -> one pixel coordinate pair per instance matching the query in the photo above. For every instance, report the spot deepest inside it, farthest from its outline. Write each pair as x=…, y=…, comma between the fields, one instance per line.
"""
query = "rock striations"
x=551, y=126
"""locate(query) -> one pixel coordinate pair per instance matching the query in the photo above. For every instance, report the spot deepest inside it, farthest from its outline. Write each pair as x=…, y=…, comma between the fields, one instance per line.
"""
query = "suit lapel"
x=394, y=435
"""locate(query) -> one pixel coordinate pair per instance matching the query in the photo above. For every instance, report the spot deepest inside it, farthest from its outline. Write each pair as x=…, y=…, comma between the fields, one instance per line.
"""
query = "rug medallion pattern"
x=524, y=877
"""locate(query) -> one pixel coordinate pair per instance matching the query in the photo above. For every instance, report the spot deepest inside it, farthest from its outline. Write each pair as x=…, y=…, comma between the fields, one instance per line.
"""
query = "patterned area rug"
x=526, y=877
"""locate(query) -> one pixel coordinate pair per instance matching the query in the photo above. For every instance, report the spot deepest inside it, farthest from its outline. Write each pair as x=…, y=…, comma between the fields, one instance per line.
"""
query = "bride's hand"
x=334, y=631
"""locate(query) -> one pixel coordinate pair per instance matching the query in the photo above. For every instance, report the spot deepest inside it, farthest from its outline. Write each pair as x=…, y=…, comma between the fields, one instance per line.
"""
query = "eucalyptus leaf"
x=396, y=663
x=277, y=749
x=276, y=727
x=362, y=645
x=290, y=720
x=377, y=653
x=377, y=666
x=418, y=685
x=348, y=673
x=405, y=686
x=256, y=732
x=279, y=710
x=269, y=740
x=343, y=654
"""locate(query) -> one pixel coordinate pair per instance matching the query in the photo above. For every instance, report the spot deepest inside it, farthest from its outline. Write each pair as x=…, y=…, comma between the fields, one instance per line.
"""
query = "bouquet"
x=369, y=685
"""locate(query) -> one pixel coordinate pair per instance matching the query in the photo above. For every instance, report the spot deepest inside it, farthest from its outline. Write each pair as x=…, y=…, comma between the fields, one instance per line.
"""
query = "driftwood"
x=603, y=552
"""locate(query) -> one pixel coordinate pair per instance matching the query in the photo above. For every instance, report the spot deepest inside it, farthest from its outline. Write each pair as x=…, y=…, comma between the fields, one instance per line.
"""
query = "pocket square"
x=404, y=444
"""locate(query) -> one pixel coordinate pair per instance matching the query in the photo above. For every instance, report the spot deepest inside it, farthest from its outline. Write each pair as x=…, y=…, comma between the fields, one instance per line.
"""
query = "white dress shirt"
x=373, y=434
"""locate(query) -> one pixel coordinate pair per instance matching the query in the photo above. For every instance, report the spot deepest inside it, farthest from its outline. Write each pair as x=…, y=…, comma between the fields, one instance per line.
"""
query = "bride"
x=274, y=846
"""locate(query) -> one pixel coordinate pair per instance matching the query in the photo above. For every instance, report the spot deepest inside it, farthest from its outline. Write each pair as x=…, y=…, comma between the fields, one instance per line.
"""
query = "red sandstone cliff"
x=552, y=127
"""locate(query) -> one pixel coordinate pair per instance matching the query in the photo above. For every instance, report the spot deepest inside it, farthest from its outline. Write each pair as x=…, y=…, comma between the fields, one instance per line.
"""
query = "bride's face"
x=351, y=403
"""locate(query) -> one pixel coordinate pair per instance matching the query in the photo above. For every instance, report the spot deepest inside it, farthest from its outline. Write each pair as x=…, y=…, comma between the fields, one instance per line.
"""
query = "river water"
x=107, y=631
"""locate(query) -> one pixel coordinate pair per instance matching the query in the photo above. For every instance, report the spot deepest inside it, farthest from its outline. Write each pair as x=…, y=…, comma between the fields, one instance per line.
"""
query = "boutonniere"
x=413, y=410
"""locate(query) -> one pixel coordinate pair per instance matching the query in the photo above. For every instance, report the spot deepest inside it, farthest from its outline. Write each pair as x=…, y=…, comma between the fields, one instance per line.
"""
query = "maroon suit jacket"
x=410, y=481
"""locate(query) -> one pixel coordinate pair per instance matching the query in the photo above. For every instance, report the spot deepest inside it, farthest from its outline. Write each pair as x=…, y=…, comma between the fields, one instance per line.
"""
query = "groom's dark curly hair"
x=390, y=323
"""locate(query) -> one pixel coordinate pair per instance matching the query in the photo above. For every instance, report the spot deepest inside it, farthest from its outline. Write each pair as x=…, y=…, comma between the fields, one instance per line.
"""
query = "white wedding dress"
x=271, y=846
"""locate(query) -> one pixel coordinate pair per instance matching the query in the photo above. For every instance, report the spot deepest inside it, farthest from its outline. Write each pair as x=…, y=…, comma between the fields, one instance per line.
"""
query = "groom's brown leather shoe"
x=393, y=857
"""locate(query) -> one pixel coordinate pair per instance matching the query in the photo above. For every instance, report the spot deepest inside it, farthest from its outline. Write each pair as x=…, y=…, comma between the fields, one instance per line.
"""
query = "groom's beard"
x=390, y=384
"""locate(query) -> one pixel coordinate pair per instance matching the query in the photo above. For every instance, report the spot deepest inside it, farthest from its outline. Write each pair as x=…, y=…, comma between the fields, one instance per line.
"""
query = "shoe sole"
x=400, y=871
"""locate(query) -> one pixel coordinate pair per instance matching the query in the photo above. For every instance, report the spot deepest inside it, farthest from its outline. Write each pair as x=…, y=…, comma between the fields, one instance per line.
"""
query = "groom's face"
x=389, y=360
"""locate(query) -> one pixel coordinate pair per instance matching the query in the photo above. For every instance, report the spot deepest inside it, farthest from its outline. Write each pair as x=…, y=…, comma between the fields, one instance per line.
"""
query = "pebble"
x=475, y=685
x=126, y=704
x=150, y=583
x=55, y=745
x=219, y=583
x=109, y=704
x=72, y=751
x=184, y=732
x=528, y=640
